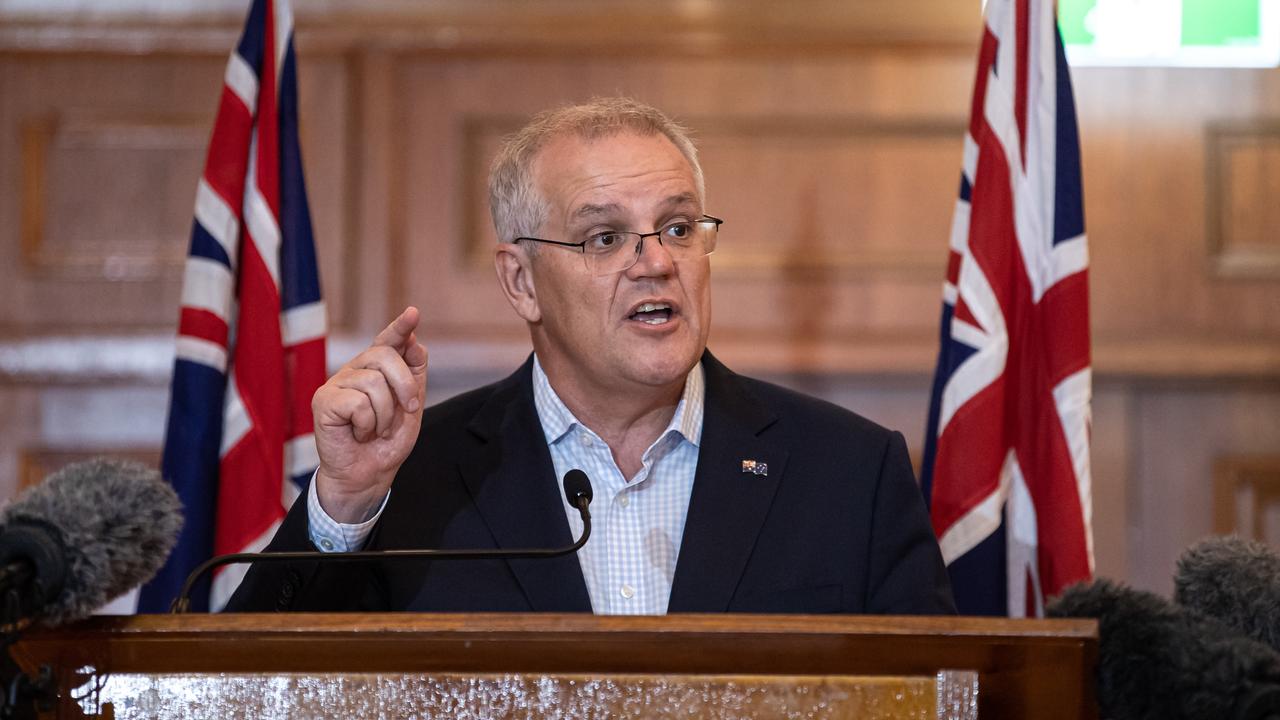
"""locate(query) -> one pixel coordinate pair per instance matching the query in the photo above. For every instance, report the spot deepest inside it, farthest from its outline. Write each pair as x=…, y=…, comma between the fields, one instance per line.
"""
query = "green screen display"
x=1220, y=22
x=1071, y=17
x=1171, y=32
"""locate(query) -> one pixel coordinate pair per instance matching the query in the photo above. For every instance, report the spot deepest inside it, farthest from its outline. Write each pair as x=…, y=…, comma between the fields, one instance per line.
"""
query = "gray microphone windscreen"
x=118, y=521
x=1235, y=581
x=1159, y=661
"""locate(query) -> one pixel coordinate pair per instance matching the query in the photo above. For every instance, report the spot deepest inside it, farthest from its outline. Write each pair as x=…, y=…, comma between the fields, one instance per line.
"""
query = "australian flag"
x=1006, y=466
x=251, y=332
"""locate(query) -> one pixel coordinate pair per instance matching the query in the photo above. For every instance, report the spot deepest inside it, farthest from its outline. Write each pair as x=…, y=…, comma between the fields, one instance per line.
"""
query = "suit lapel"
x=512, y=482
x=728, y=506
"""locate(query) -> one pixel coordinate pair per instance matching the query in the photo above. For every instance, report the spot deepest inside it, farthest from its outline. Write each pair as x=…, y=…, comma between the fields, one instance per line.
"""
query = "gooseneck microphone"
x=88, y=533
x=577, y=490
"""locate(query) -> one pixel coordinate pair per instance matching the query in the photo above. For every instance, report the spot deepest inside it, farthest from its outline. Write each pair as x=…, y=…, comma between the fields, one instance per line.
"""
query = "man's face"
x=590, y=329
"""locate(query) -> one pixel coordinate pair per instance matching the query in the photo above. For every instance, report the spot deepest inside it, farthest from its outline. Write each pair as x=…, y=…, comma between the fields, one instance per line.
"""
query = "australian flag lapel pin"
x=755, y=467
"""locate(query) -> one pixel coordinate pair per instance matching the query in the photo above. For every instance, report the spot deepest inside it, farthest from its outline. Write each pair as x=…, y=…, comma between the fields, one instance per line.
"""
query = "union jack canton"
x=1006, y=466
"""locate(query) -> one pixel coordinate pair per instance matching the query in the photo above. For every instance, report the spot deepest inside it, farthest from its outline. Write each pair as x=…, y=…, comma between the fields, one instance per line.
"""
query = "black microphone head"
x=37, y=546
x=1157, y=660
x=576, y=485
x=1235, y=581
x=117, y=522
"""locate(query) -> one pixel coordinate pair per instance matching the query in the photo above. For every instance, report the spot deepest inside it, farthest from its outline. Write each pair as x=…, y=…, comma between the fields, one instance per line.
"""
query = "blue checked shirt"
x=630, y=560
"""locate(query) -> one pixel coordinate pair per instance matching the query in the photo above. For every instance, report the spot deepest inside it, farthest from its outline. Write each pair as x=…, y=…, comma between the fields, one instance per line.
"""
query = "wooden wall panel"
x=1182, y=438
x=101, y=155
x=1246, y=497
x=1243, y=187
x=103, y=199
x=19, y=432
x=1149, y=137
x=48, y=426
x=36, y=464
x=1114, y=481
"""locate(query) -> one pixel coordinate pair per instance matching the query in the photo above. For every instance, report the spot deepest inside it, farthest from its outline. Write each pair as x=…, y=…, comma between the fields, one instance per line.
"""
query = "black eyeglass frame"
x=582, y=246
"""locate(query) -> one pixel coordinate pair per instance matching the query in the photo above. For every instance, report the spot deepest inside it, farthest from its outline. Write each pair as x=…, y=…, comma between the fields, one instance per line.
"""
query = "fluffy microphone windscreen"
x=1156, y=660
x=1235, y=581
x=118, y=521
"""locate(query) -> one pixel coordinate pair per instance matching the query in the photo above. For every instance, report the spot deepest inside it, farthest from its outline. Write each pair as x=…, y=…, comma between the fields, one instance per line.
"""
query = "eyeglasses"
x=615, y=251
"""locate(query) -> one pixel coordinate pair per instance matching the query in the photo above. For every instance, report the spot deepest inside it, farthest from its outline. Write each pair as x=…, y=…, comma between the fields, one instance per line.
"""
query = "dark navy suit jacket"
x=837, y=525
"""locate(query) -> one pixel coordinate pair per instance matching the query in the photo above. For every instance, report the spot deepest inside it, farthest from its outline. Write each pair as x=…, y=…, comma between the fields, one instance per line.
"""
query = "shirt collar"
x=557, y=420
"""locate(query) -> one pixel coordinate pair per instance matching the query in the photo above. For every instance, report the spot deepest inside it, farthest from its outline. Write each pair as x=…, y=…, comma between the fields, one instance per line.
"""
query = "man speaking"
x=713, y=492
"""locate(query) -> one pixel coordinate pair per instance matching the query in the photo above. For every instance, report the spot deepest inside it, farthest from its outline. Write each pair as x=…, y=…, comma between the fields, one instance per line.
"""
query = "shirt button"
x=628, y=592
x=326, y=544
x=624, y=501
x=586, y=440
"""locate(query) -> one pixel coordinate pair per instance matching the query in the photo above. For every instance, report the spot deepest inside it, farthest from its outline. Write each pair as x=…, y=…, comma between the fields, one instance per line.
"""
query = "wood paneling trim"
x=35, y=464
x=36, y=136
x=392, y=114
x=363, y=71
x=1259, y=479
x=706, y=27
x=116, y=255
x=1233, y=252
x=148, y=359
x=1165, y=357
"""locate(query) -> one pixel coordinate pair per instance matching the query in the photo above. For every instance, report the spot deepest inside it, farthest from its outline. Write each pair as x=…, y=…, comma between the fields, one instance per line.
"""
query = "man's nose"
x=652, y=258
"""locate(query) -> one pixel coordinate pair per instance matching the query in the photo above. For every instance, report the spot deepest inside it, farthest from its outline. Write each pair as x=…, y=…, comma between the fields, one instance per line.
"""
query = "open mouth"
x=652, y=313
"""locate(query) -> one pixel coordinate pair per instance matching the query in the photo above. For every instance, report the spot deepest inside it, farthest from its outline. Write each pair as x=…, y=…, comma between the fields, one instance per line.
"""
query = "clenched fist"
x=367, y=418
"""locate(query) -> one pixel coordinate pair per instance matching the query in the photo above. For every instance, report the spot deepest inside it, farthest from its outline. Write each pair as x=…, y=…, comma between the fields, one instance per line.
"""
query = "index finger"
x=397, y=335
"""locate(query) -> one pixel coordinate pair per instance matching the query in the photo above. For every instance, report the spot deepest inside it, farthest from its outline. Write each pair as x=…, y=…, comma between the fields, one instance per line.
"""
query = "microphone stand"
x=21, y=695
x=182, y=603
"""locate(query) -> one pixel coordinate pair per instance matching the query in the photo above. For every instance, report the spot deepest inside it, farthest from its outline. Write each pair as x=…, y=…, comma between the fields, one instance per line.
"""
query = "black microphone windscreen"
x=117, y=520
x=1235, y=581
x=1156, y=660
x=576, y=485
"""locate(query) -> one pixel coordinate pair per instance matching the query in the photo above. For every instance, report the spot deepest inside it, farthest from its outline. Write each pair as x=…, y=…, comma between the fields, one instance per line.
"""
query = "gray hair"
x=517, y=207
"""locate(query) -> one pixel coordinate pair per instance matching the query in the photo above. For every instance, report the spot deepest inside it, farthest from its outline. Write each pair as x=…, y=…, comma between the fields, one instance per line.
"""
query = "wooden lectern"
x=402, y=665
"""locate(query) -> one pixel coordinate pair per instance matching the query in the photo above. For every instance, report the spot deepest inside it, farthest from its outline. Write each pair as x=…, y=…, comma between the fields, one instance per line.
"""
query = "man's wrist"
x=349, y=508
x=328, y=535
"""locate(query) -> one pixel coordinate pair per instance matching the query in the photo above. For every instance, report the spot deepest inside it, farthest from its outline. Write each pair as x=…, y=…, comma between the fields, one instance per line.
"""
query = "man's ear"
x=515, y=276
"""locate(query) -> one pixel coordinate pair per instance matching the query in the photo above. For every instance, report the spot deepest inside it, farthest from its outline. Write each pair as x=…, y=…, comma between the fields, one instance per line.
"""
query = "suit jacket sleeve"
x=306, y=585
x=906, y=572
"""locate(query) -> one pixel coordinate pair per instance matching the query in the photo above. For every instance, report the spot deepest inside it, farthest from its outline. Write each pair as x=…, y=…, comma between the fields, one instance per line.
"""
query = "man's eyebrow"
x=591, y=210
x=682, y=199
